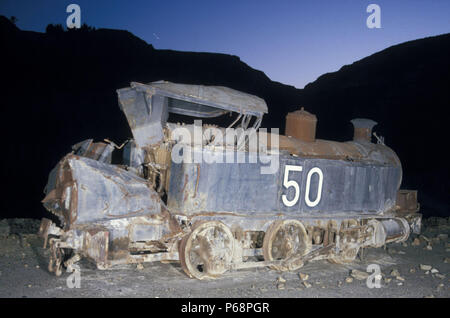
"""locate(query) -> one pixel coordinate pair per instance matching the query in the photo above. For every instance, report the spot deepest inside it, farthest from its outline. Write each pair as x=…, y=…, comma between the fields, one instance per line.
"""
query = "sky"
x=292, y=42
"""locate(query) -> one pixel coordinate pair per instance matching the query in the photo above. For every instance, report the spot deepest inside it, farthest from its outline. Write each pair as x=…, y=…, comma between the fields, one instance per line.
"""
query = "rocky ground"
x=417, y=268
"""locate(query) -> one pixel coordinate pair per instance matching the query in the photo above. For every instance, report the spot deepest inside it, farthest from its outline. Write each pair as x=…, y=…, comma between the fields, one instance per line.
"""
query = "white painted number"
x=319, y=190
x=291, y=183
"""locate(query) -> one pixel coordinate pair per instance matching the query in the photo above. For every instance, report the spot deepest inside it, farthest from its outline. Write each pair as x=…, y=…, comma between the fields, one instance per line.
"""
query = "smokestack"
x=301, y=125
x=362, y=129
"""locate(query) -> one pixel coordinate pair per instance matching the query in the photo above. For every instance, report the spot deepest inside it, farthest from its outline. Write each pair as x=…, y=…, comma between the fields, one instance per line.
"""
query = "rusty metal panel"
x=362, y=129
x=99, y=151
x=301, y=125
x=133, y=157
x=88, y=190
x=407, y=200
x=95, y=246
x=146, y=106
x=214, y=96
x=347, y=187
x=146, y=115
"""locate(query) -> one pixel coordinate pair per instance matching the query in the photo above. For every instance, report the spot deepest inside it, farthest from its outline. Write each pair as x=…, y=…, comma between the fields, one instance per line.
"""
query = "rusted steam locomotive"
x=281, y=202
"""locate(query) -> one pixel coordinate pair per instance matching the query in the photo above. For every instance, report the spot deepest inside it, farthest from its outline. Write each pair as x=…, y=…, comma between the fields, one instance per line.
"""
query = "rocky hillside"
x=58, y=88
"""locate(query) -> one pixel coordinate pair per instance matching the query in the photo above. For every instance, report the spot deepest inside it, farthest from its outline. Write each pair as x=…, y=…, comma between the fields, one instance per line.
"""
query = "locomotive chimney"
x=301, y=125
x=362, y=129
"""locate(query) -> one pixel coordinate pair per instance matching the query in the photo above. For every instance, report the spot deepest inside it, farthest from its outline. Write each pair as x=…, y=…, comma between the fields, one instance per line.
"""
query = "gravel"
x=23, y=273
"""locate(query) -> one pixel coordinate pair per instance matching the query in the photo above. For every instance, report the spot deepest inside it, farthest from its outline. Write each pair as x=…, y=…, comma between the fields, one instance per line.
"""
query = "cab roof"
x=204, y=101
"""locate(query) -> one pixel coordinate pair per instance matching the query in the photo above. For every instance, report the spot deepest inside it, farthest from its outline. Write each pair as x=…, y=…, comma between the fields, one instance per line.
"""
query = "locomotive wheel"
x=207, y=251
x=285, y=239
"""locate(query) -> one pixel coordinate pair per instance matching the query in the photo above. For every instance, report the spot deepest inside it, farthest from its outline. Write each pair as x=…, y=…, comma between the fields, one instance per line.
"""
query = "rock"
x=447, y=260
x=404, y=244
x=281, y=286
x=37, y=266
x=24, y=226
x=416, y=242
x=303, y=276
x=428, y=247
x=427, y=272
x=4, y=228
x=401, y=252
x=440, y=276
x=318, y=282
x=139, y=267
x=400, y=278
x=281, y=280
x=307, y=285
x=440, y=286
x=359, y=275
x=349, y=280
x=400, y=284
x=434, y=271
x=387, y=280
x=425, y=267
x=339, y=283
x=435, y=240
x=395, y=273
x=412, y=270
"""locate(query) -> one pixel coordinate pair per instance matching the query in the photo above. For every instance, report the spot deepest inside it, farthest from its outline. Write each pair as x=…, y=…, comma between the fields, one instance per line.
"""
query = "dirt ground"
x=23, y=273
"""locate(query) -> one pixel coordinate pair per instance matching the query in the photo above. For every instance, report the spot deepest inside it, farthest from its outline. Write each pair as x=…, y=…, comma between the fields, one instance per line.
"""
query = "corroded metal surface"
x=218, y=97
x=87, y=190
x=208, y=250
x=351, y=187
x=301, y=125
x=363, y=129
x=325, y=199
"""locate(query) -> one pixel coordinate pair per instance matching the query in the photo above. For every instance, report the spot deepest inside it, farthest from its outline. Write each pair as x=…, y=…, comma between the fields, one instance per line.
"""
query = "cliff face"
x=59, y=88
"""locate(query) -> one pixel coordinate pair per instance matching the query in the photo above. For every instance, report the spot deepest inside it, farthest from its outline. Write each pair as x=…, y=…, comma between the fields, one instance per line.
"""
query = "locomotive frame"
x=326, y=199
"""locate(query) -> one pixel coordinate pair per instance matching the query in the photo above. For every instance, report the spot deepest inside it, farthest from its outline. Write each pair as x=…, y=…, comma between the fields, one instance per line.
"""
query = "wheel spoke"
x=207, y=251
x=285, y=239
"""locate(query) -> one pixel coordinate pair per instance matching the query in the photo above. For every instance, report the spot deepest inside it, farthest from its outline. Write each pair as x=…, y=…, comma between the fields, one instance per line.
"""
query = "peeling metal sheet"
x=89, y=191
x=215, y=96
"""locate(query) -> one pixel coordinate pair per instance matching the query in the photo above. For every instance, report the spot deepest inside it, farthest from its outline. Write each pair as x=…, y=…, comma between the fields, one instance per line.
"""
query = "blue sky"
x=293, y=42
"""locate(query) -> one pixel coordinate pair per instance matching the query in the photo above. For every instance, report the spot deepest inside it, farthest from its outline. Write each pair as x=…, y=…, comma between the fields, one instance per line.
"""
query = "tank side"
x=325, y=187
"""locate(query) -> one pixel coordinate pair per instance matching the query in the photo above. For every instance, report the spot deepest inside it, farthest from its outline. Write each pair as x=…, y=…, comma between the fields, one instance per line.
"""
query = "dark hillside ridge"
x=59, y=88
